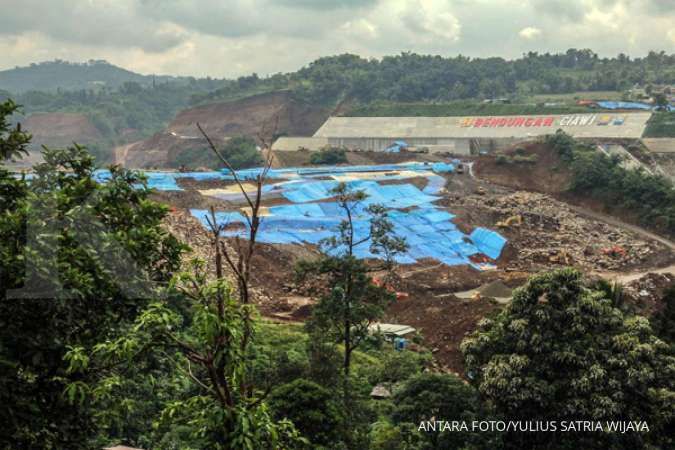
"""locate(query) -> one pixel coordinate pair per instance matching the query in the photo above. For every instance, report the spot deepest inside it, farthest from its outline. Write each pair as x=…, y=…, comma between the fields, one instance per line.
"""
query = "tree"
x=561, y=351
x=661, y=101
x=562, y=143
x=311, y=408
x=13, y=141
x=428, y=397
x=329, y=155
x=663, y=321
x=205, y=328
x=77, y=260
x=354, y=301
x=241, y=152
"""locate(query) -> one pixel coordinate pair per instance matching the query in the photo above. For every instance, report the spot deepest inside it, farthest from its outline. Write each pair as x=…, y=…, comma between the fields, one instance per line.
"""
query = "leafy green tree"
x=562, y=143
x=403, y=436
x=312, y=408
x=399, y=366
x=661, y=101
x=241, y=152
x=205, y=329
x=209, y=344
x=561, y=351
x=663, y=321
x=329, y=156
x=354, y=301
x=428, y=397
x=78, y=261
x=13, y=141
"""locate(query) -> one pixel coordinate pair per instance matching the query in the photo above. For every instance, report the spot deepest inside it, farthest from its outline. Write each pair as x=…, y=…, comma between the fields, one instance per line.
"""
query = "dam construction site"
x=476, y=229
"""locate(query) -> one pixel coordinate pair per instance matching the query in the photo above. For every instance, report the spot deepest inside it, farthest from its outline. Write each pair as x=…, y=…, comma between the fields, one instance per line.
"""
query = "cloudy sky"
x=234, y=37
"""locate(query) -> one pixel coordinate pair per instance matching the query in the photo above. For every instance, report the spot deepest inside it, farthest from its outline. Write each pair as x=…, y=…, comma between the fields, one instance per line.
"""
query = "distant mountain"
x=54, y=75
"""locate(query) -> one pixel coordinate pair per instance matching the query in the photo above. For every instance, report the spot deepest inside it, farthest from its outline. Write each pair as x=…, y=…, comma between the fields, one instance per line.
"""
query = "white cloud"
x=430, y=21
x=671, y=35
x=529, y=33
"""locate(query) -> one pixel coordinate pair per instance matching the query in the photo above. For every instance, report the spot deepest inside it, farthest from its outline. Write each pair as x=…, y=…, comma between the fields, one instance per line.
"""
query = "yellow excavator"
x=513, y=221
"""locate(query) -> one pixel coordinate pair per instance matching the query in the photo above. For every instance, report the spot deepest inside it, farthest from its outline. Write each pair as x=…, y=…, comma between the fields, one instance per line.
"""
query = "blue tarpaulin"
x=632, y=105
x=428, y=230
x=311, y=217
x=396, y=147
x=624, y=105
x=441, y=167
x=167, y=181
x=489, y=242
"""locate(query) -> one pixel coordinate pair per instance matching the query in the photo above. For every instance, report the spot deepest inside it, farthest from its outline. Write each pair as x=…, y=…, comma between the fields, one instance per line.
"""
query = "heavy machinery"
x=513, y=221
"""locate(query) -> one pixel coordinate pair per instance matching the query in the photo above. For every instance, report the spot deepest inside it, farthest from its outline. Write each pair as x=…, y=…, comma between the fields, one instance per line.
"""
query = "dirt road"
x=627, y=277
x=618, y=223
x=622, y=277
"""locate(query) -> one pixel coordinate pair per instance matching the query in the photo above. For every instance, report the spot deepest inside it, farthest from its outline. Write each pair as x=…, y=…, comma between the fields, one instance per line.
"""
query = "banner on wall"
x=572, y=120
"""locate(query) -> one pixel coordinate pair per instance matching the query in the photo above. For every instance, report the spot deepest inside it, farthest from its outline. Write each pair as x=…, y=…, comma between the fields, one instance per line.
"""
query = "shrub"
x=330, y=155
x=525, y=159
x=310, y=407
x=563, y=143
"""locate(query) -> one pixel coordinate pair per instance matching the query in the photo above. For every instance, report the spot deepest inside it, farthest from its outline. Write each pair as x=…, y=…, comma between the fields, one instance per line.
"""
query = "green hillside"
x=54, y=75
x=127, y=106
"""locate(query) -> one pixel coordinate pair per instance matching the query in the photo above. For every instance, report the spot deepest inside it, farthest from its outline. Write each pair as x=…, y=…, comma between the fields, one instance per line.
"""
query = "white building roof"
x=589, y=125
x=391, y=328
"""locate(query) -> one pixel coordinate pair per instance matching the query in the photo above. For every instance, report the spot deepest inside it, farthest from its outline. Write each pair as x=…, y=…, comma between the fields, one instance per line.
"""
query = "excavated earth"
x=550, y=234
x=275, y=112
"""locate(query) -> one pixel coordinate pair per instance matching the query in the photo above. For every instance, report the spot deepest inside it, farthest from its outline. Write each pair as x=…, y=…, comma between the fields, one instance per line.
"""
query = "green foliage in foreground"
x=76, y=259
x=429, y=396
x=311, y=407
x=561, y=351
x=663, y=321
x=205, y=333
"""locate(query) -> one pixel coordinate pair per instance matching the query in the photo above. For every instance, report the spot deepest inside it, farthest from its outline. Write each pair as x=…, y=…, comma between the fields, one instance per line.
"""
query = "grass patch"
x=661, y=124
x=460, y=108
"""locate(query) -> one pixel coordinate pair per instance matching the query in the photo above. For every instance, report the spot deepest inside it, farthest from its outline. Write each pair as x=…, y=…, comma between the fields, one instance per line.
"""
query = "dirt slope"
x=60, y=128
x=56, y=130
x=528, y=166
x=222, y=120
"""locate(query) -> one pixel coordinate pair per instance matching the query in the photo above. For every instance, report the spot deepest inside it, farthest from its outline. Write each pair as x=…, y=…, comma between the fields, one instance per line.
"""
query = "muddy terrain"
x=542, y=231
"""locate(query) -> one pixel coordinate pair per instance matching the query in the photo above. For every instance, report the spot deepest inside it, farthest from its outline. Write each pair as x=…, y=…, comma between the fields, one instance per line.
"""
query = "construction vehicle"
x=377, y=281
x=513, y=221
x=561, y=257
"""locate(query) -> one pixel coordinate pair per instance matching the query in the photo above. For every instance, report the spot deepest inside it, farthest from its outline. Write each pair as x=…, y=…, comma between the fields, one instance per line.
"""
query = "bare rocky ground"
x=551, y=234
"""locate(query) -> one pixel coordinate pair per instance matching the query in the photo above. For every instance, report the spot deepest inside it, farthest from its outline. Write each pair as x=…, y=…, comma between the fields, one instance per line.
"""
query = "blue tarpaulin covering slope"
x=312, y=217
x=167, y=181
x=428, y=230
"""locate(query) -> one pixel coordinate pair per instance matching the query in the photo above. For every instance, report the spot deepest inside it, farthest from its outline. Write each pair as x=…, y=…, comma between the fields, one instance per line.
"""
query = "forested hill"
x=53, y=75
x=411, y=77
x=125, y=106
x=403, y=78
